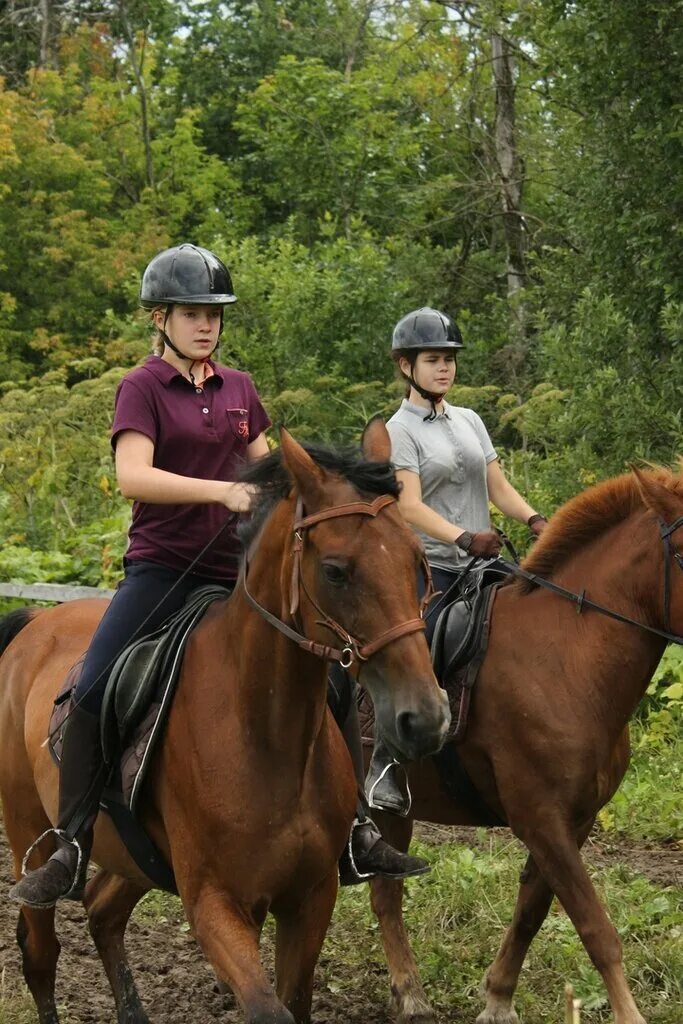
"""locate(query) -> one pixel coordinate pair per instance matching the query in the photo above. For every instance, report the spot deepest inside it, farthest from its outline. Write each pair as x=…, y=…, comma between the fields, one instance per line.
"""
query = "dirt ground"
x=175, y=982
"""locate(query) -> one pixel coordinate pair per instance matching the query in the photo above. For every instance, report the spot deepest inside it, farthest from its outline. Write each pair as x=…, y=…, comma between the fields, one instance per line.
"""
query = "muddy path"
x=175, y=982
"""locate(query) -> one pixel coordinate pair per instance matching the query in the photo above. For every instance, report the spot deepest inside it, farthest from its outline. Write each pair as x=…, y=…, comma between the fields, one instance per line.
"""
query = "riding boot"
x=81, y=780
x=387, y=783
x=367, y=854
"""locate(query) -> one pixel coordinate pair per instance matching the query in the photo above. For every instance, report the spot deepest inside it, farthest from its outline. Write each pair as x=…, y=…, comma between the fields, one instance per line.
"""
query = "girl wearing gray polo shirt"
x=449, y=471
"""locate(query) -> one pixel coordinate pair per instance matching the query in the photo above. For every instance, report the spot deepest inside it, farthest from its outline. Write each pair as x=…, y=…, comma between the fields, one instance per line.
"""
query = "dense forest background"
x=517, y=164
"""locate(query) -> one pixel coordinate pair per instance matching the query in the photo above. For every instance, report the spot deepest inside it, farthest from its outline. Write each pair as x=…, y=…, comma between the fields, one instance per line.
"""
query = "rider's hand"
x=537, y=524
x=238, y=497
x=485, y=544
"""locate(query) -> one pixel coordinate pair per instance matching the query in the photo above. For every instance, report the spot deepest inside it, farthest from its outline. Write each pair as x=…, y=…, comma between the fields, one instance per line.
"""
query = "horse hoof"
x=415, y=1011
x=500, y=1016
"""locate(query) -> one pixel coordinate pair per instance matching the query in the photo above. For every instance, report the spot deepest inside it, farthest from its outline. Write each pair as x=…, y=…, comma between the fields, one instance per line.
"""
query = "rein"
x=352, y=649
x=581, y=601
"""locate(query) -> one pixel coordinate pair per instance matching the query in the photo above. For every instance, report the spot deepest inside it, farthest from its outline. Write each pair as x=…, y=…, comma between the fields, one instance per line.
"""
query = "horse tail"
x=12, y=624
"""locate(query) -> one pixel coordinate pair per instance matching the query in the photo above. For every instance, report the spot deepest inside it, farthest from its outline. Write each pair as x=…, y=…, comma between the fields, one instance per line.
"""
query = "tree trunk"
x=510, y=176
x=47, y=57
x=142, y=92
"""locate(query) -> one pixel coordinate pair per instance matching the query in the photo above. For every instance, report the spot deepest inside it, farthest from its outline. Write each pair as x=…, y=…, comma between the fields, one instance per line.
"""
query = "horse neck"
x=622, y=570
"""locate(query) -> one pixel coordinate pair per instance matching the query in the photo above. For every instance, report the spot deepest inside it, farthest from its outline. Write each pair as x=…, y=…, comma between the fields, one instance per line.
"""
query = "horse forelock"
x=274, y=483
x=588, y=515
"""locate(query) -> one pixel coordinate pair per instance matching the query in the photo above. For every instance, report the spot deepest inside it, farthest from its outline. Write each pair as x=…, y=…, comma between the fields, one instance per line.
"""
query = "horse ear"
x=659, y=498
x=375, y=440
x=306, y=474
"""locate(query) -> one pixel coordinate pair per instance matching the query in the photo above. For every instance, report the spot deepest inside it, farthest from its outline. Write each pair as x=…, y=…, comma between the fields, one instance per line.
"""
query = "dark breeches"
x=144, y=586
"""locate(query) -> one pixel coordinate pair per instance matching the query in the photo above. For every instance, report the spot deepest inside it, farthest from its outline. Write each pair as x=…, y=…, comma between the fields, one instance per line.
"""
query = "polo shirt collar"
x=418, y=410
x=167, y=373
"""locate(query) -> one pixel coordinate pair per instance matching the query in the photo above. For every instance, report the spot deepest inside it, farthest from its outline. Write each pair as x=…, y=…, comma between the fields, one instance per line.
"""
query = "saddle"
x=460, y=641
x=136, y=704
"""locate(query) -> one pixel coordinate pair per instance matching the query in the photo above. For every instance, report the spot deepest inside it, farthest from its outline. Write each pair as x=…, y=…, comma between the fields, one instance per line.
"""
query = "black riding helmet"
x=422, y=329
x=185, y=275
x=425, y=328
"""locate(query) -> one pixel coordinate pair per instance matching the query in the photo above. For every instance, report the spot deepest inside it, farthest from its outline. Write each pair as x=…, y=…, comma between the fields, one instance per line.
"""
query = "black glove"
x=485, y=544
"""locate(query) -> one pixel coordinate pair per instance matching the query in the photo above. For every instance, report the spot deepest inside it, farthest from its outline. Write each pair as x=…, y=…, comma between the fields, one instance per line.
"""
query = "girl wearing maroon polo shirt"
x=183, y=428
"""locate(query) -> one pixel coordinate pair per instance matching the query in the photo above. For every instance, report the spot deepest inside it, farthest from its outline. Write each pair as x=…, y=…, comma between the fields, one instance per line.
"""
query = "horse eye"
x=335, y=574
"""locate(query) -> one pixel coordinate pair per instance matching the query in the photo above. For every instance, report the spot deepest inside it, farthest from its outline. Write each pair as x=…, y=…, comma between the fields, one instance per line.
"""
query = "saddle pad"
x=133, y=720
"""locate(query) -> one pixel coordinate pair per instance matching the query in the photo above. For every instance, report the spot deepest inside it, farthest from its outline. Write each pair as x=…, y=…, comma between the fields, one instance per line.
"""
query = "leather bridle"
x=666, y=531
x=352, y=649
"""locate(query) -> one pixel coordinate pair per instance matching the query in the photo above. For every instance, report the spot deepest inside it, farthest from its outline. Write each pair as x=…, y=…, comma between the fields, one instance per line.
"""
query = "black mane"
x=274, y=482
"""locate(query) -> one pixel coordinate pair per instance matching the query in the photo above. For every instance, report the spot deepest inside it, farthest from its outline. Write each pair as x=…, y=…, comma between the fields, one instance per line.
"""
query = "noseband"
x=353, y=650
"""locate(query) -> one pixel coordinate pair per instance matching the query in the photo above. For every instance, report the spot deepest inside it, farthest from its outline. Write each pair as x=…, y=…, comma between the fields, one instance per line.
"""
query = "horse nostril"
x=406, y=726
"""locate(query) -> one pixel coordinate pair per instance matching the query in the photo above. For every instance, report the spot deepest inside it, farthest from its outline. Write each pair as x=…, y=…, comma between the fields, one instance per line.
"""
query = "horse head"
x=664, y=499
x=351, y=577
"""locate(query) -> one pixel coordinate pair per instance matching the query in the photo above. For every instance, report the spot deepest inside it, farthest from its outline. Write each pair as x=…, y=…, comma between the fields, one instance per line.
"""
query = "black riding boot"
x=367, y=854
x=81, y=780
x=386, y=783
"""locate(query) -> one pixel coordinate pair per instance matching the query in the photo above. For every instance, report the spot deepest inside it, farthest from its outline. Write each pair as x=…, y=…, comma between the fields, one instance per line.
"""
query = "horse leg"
x=40, y=951
x=298, y=940
x=557, y=854
x=109, y=901
x=533, y=903
x=229, y=939
x=386, y=897
x=35, y=928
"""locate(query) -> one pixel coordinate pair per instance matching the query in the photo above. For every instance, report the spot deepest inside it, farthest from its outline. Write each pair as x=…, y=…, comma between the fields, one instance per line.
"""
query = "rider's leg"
x=367, y=854
x=387, y=783
x=82, y=772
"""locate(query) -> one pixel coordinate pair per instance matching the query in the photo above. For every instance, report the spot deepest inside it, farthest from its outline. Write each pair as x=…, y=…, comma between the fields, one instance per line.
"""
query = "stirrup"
x=371, y=795
x=348, y=861
x=60, y=834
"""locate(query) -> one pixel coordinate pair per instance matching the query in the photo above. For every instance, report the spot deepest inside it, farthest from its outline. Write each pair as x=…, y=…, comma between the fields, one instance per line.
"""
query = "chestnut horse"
x=547, y=741
x=252, y=796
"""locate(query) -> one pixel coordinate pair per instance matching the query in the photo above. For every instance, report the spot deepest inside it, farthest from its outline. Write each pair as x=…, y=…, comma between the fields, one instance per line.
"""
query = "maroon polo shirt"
x=200, y=432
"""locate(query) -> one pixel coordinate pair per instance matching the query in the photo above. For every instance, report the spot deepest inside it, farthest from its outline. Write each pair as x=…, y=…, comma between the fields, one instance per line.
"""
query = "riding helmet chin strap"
x=171, y=345
x=430, y=396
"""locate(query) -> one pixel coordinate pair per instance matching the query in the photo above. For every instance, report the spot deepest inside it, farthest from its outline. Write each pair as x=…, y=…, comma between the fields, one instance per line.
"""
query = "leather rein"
x=352, y=649
x=581, y=601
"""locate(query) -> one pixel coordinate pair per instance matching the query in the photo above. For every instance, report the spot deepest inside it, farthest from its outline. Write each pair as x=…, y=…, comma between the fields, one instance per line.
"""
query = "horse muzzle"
x=414, y=732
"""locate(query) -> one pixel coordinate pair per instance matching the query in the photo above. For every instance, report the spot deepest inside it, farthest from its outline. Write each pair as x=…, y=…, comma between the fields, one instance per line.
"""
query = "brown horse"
x=253, y=794
x=547, y=742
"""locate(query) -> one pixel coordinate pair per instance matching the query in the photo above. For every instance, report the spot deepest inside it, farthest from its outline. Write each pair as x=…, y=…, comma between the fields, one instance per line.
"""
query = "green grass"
x=648, y=804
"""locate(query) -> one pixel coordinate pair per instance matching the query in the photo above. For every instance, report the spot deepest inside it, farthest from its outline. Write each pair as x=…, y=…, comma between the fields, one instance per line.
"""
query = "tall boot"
x=81, y=780
x=387, y=783
x=367, y=854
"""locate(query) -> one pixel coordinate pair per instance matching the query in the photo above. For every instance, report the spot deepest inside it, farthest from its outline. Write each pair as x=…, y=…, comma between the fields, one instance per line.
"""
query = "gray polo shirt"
x=450, y=455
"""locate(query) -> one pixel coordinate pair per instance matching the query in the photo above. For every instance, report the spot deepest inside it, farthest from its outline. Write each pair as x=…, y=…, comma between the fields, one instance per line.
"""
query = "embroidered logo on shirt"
x=243, y=428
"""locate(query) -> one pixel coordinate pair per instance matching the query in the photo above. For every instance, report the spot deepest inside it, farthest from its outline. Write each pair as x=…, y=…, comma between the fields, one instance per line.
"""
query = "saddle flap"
x=148, y=667
x=452, y=634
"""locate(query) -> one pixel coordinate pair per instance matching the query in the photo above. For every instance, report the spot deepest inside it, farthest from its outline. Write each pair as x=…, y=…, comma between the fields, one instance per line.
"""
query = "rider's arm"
x=420, y=515
x=258, y=448
x=504, y=496
x=139, y=479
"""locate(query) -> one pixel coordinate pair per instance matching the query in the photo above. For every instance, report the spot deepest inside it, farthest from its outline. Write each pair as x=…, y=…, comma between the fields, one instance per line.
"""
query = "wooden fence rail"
x=51, y=591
